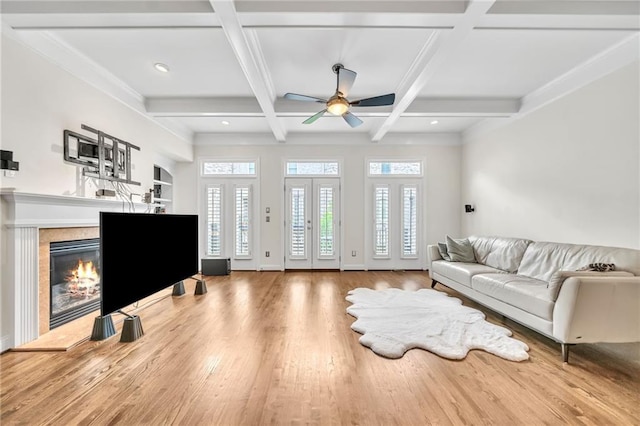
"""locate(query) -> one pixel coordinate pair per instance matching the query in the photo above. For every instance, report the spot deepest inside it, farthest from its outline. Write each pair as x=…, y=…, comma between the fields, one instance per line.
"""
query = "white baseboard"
x=270, y=268
x=353, y=267
x=5, y=343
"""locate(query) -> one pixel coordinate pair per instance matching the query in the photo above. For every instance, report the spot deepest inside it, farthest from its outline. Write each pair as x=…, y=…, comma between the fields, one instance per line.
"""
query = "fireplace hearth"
x=74, y=279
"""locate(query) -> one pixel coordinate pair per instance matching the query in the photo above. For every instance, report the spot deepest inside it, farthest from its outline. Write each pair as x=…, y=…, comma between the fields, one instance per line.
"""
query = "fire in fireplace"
x=75, y=279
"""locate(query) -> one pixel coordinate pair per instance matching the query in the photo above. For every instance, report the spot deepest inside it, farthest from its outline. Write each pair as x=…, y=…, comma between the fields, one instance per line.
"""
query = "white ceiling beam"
x=326, y=138
x=251, y=64
x=349, y=20
x=559, y=22
x=203, y=106
x=351, y=6
x=85, y=15
x=249, y=107
x=71, y=21
x=102, y=7
x=573, y=7
x=432, y=55
x=477, y=107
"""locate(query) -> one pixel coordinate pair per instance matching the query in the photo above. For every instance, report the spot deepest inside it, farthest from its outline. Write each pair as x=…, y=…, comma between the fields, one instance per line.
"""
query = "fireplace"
x=74, y=279
x=31, y=223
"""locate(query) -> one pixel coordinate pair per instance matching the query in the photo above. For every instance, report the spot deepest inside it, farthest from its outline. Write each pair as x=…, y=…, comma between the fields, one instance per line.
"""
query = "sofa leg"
x=565, y=352
x=433, y=283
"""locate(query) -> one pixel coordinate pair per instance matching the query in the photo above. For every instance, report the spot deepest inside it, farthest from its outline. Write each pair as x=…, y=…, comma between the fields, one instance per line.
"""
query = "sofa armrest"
x=598, y=309
x=433, y=253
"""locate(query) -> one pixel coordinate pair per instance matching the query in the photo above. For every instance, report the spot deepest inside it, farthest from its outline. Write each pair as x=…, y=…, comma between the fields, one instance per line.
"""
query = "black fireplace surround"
x=74, y=280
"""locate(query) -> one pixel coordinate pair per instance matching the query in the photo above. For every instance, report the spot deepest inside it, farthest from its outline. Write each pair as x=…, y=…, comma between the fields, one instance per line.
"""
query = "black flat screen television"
x=141, y=254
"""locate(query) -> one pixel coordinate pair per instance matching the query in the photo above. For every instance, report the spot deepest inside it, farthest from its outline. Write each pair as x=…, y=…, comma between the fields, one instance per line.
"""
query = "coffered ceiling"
x=454, y=66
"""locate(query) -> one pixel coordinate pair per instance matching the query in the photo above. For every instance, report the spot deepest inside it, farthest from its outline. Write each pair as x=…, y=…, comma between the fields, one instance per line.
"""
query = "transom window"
x=395, y=168
x=228, y=168
x=312, y=168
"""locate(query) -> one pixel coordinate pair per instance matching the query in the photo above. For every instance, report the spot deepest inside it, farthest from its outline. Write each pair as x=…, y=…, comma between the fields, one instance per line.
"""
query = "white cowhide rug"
x=392, y=321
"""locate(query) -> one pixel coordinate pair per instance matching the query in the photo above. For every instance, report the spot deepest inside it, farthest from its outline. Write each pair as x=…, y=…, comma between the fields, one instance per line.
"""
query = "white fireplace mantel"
x=23, y=214
x=60, y=211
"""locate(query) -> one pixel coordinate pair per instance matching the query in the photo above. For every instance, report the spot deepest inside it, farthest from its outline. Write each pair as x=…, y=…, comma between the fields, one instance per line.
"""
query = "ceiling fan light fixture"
x=337, y=105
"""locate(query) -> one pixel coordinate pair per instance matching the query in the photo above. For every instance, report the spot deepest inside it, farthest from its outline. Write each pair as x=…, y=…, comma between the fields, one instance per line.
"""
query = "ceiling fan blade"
x=297, y=97
x=346, y=78
x=375, y=101
x=351, y=119
x=314, y=117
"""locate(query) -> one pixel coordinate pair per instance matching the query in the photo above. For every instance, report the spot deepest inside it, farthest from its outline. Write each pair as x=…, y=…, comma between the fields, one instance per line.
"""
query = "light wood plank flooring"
x=276, y=348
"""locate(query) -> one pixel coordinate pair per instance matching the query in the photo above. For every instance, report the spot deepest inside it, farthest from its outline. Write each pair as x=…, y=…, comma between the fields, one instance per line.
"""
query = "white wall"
x=568, y=172
x=442, y=188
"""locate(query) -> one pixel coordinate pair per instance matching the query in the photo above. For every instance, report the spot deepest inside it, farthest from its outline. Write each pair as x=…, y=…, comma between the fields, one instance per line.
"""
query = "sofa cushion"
x=442, y=249
x=460, y=250
x=542, y=259
x=498, y=252
x=461, y=272
x=529, y=294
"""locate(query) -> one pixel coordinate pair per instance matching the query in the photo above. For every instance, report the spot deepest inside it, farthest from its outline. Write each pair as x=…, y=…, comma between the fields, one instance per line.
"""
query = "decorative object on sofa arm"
x=442, y=248
x=460, y=250
x=106, y=157
x=599, y=267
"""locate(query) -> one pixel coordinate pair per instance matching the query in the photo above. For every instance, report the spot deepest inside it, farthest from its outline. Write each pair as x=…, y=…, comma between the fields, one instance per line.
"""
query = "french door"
x=312, y=223
x=230, y=209
x=393, y=223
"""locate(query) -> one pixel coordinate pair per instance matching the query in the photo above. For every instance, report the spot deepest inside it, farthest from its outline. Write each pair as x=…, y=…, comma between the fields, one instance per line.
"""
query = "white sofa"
x=515, y=277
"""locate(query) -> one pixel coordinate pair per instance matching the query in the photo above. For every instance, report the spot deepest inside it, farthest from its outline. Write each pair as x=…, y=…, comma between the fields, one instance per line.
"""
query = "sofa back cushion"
x=460, y=250
x=542, y=259
x=498, y=252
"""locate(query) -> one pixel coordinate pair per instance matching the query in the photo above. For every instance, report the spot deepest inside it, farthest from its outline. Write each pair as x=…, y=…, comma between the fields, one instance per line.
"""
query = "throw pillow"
x=558, y=278
x=460, y=250
x=599, y=267
x=442, y=248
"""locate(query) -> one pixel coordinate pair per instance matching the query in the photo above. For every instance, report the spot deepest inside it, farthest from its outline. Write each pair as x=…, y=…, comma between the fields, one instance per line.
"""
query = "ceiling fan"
x=338, y=104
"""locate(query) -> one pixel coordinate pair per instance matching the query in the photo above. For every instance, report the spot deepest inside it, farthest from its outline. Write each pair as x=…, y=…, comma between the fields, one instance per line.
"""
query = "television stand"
x=178, y=289
x=131, y=328
x=201, y=287
x=103, y=328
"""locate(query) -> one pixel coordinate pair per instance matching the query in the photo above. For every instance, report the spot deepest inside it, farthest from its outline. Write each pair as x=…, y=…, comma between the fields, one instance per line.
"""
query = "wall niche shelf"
x=162, y=191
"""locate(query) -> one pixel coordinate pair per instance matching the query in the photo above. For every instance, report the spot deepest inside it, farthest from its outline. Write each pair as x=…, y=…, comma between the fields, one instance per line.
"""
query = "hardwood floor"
x=276, y=348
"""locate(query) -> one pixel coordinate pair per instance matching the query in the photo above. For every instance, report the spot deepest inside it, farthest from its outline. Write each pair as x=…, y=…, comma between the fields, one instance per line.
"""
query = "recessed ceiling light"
x=434, y=122
x=161, y=67
x=225, y=122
